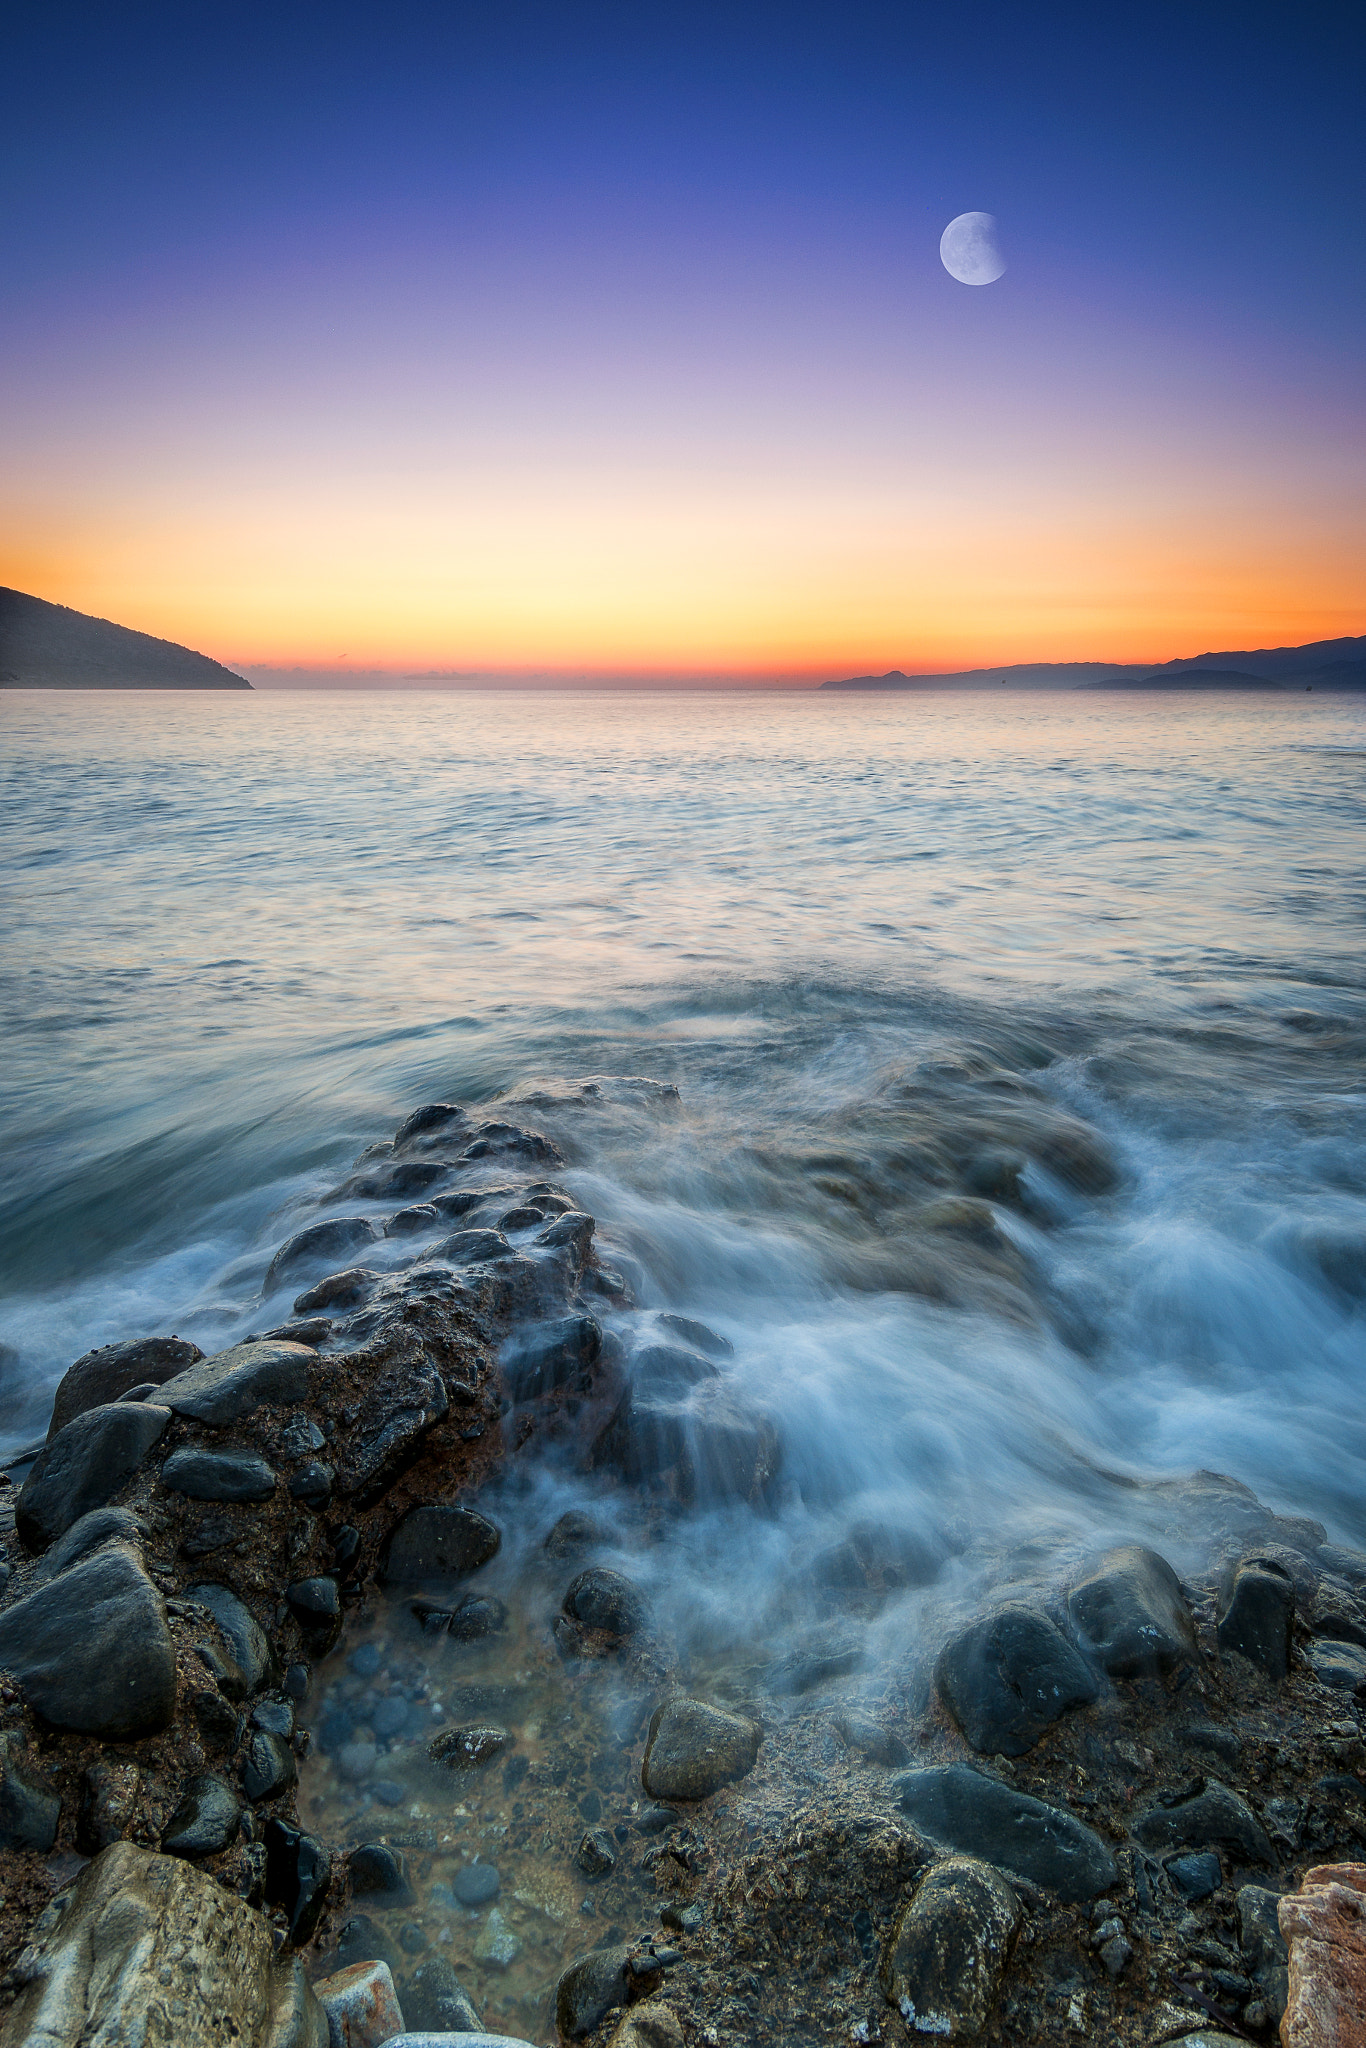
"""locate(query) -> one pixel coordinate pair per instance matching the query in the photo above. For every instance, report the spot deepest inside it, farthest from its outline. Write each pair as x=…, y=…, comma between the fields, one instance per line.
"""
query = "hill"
x=1327, y=664
x=49, y=647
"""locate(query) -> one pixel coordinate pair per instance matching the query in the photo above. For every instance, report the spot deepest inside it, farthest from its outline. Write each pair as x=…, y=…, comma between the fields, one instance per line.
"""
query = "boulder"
x=693, y=1748
x=339, y=1290
x=434, y=1997
x=1258, y=1617
x=607, y=1603
x=447, y=1118
x=109, y=1373
x=91, y=1651
x=438, y=1542
x=589, y=1989
x=471, y=1247
x=361, y=2005
x=145, y=1948
x=550, y=1355
x=703, y=1444
x=206, y=1819
x=1263, y=1945
x=979, y=1816
x=249, y=1642
x=29, y=1813
x=83, y=1466
x=1008, y=1676
x=1324, y=1924
x=100, y=1526
x=943, y=1964
x=335, y=1238
x=1131, y=1612
x=218, y=1475
x=387, y=1434
x=222, y=1389
x=1214, y=1815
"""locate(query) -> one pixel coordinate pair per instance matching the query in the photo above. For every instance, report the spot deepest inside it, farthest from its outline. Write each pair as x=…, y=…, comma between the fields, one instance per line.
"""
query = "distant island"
x=49, y=647
x=1322, y=664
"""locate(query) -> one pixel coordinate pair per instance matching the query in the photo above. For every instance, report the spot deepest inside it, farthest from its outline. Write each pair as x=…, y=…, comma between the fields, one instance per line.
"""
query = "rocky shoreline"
x=1081, y=1829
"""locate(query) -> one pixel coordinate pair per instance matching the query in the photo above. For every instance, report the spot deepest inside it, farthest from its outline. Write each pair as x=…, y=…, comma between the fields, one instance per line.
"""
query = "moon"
x=969, y=250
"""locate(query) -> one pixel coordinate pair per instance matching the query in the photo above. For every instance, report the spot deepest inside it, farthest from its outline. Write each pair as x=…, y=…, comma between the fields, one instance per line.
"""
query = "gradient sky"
x=597, y=339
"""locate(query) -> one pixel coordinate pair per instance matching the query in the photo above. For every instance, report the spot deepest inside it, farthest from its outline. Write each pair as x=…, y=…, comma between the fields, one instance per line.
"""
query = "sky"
x=614, y=341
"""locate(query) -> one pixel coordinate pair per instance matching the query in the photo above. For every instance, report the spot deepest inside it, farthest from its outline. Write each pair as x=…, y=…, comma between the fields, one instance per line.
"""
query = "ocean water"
x=873, y=943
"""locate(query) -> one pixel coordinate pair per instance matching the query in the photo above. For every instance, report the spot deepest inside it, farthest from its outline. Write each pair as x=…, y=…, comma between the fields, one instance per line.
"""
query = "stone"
x=699, y=1335
x=704, y=1445
x=274, y=1715
x=248, y=1639
x=218, y=1475
x=414, y=1221
x=1133, y=1615
x=1008, y=1676
x=497, y=1944
x=572, y=1232
x=346, y=1289
x=403, y=1405
x=1324, y=1925
x=313, y=1483
x=146, y=1949
x=433, y=1117
x=471, y=1247
x=574, y=1533
x=588, y=1990
x=476, y=1884
x=206, y=1819
x=550, y=1355
x=1340, y=1666
x=607, y=1603
x=298, y=1874
x=216, y=1720
x=465, y=1749
x=223, y=1667
x=83, y=1466
x=870, y=1740
x=597, y=1853
x=29, y=1813
x=321, y=1243
x=1213, y=1815
x=693, y=1748
x=438, y=1542
x=270, y=1768
x=1256, y=1622
x=434, y=1997
x=1195, y=1876
x=361, y=2005
x=100, y=1526
x=230, y=1385
x=108, y=1374
x=943, y=1964
x=109, y=1805
x=1263, y=1945
x=376, y=1869
x=316, y=1606
x=648, y=2026
x=300, y=1436
x=479, y=1615
x=91, y=1650
x=978, y=1816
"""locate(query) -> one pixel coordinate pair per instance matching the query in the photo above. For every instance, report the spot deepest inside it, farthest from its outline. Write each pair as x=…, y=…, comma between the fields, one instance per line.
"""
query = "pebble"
x=476, y=1884
x=497, y=1944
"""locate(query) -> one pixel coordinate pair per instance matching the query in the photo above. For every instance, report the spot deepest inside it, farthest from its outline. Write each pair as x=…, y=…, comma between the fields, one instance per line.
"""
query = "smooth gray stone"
x=944, y=1961
x=1259, y=1618
x=1132, y=1613
x=1215, y=1815
x=218, y=1475
x=471, y=1247
x=439, y=1542
x=91, y=1651
x=1008, y=1676
x=607, y=1601
x=979, y=1816
x=332, y=1239
x=240, y=1626
x=206, y=1819
x=269, y=1768
x=100, y=1526
x=224, y=1388
x=693, y=1748
x=83, y=1466
x=109, y=1373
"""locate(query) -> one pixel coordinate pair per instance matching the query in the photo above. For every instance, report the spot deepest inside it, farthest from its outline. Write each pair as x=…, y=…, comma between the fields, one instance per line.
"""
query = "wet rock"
x=1335, y=1614
x=1194, y=1876
x=1342, y=1666
x=361, y=2005
x=667, y=1369
x=83, y=1466
x=588, y=1990
x=444, y=1118
x=550, y=1355
x=109, y=1805
x=500, y=1140
x=699, y=1335
x=704, y=1445
x=230, y=1385
x=218, y=1475
x=1324, y=1925
x=270, y=1767
x=313, y=1483
x=607, y=1603
x=477, y=1884
x=943, y=1965
x=250, y=1646
x=815, y=1657
x=1263, y=1945
x=339, y=1290
x=597, y=1853
x=101, y=1956
x=108, y=1374
x=1213, y=1815
x=574, y=1533
x=1131, y=1612
x=572, y=1233
x=298, y=1873
x=388, y=1432
x=1008, y=1676
x=693, y=1748
x=434, y=1997
x=316, y=1606
x=471, y=1247
x=1257, y=1620
x=101, y=1526
x=91, y=1651
x=310, y=1330
x=393, y=1181
x=438, y=1542
x=275, y=1716
x=206, y=1819
x=224, y=1669
x=979, y=1816
x=414, y=1220
x=216, y=1720
x=648, y=2026
x=497, y=1945
x=29, y=1813
x=326, y=1241
x=478, y=1616
x=465, y=1749
x=870, y=1740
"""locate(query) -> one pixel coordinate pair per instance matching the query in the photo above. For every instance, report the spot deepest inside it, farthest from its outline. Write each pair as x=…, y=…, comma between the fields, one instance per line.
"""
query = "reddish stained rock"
x=1325, y=1926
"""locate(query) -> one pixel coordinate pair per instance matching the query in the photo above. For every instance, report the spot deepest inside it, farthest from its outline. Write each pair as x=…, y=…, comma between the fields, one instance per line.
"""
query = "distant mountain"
x=48, y=647
x=1327, y=664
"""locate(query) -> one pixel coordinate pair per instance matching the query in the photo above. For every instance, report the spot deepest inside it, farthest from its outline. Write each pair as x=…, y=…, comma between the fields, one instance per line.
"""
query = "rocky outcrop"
x=230, y=1385
x=1324, y=1924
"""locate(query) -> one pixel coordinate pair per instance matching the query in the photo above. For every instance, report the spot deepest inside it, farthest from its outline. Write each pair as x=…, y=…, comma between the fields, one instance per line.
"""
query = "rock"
x=1215, y=1814
x=1194, y=1876
x=1263, y=1945
x=413, y=1221
x=1324, y=1924
x=694, y=1748
x=376, y=1869
x=339, y=1290
x=109, y=1805
x=434, y=1997
x=249, y=1643
x=471, y=1247
x=1008, y=1676
x=433, y=1117
x=607, y=1603
x=316, y=1606
x=222, y=1389
x=401, y=1408
x=298, y=1873
x=321, y=1242
x=494, y=1140
x=223, y=1667
x=1256, y=1622
x=979, y=1816
x=943, y=1964
x=698, y=1335
x=438, y=1542
x=218, y=1475
x=29, y=1813
x=464, y=1749
x=91, y=1651
x=588, y=1990
x=597, y=1853
x=478, y=1616
x=275, y=1716
x=1342, y=1666
x=648, y=2026
x=703, y=1445
x=101, y=1956
x=361, y=2005
x=869, y=1739
x=1131, y=1612
x=108, y=1374
x=574, y=1533
x=497, y=1945
x=100, y=1526
x=270, y=1768
x=216, y=1720
x=477, y=1884
x=83, y=1466
x=550, y=1355
x=572, y=1232
x=313, y=1483
x=205, y=1821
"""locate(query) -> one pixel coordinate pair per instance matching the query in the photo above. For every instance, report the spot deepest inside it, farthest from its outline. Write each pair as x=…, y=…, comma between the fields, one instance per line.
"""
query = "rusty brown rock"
x=1324, y=1923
